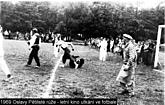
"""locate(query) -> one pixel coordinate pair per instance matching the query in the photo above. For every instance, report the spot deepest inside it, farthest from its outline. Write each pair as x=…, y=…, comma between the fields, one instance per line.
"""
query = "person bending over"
x=67, y=55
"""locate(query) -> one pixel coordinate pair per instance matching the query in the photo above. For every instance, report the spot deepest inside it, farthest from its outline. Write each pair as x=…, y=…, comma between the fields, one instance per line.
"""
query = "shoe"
x=27, y=65
x=123, y=92
x=37, y=66
x=131, y=94
x=9, y=75
x=61, y=66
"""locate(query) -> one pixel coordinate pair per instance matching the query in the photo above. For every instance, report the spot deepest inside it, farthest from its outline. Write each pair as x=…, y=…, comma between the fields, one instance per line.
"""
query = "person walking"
x=34, y=44
x=3, y=64
x=126, y=76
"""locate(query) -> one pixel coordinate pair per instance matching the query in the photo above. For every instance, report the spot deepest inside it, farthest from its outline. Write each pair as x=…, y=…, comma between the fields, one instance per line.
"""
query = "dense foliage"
x=98, y=19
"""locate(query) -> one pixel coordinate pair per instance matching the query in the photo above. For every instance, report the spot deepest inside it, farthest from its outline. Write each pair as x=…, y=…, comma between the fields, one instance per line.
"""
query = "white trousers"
x=4, y=66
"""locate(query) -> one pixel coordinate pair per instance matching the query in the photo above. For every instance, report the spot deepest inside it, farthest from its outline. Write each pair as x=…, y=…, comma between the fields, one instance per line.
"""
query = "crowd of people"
x=145, y=49
x=45, y=37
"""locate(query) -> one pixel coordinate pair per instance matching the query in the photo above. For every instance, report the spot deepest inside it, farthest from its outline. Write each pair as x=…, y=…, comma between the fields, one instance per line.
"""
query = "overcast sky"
x=140, y=3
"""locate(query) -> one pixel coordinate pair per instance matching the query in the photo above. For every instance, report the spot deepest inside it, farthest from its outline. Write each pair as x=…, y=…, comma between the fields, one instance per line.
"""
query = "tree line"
x=75, y=20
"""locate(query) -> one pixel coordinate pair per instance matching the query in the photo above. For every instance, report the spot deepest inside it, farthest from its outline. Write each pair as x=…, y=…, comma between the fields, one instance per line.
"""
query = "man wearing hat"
x=34, y=44
x=126, y=75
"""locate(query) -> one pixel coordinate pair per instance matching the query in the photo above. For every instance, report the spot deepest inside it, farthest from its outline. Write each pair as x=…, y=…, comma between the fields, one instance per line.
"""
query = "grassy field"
x=96, y=79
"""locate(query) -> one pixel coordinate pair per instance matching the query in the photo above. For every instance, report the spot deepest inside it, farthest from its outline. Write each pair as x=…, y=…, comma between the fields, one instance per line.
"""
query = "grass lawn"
x=96, y=79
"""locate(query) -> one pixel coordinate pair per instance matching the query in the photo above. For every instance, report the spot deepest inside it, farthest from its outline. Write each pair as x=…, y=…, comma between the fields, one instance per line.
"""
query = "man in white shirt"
x=3, y=64
x=34, y=44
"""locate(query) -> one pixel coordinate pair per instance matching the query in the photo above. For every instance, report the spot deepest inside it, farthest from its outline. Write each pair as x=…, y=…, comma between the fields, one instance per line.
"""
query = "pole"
x=157, y=46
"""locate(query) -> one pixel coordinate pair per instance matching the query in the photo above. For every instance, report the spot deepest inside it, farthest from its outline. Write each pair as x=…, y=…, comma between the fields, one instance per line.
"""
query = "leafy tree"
x=99, y=19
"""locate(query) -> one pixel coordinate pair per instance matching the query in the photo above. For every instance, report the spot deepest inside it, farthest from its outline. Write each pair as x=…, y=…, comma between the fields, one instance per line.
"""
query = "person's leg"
x=138, y=58
x=104, y=55
x=36, y=55
x=64, y=58
x=113, y=49
x=131, y=83
x=101, y=54
x=124, y=84
x=4, y=67
x=131, y=88
x=124, y=89
x=71, y=64
x=73, y=60
x=81, y=62
x=31, y=57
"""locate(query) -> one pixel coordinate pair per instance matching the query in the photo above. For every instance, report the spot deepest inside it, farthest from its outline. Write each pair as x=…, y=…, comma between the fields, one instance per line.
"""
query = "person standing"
x=108, y=45
x=56, y=41
x=103, y=50
x=145, y=53
x=34, y=44
x=3, y=64
x=111, y=44
x=126, y=76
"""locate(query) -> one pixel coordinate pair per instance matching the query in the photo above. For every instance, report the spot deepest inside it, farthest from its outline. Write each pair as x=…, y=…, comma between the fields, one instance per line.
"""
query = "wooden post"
x=157, y=45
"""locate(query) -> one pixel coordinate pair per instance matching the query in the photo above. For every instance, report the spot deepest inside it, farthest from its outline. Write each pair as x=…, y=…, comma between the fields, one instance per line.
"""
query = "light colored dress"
x=103, y=50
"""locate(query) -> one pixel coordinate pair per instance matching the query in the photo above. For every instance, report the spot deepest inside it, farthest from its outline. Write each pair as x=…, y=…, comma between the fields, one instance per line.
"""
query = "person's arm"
x=31, y=41
x=69, y=43
x=39, y=41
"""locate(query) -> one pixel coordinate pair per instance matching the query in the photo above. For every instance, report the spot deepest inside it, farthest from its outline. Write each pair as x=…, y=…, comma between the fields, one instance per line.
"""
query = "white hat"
x=35, y=29
x=127, y=36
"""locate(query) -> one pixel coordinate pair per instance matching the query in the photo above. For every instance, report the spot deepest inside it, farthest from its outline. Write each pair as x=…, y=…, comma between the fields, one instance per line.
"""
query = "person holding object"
x=126, y=76
x=3, y=64
x=34, y=44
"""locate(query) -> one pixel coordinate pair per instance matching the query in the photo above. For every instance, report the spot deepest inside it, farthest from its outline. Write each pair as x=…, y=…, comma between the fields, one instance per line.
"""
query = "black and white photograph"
x=96, y=51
